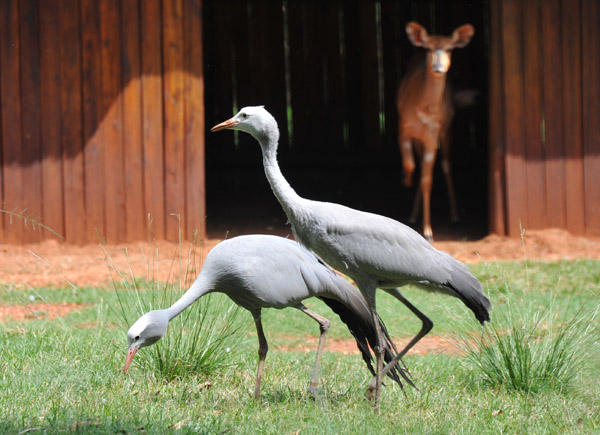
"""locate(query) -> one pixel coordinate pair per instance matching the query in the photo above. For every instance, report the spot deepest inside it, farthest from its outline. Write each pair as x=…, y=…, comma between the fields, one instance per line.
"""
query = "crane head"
x=146, y=331
x=254, y=120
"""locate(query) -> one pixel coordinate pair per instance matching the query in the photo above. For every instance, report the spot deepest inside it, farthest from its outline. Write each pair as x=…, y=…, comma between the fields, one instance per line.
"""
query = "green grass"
x=65, y=374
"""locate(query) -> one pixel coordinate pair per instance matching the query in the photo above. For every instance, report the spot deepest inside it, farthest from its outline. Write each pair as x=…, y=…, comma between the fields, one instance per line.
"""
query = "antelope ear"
x=462, y=35
x=417, y=34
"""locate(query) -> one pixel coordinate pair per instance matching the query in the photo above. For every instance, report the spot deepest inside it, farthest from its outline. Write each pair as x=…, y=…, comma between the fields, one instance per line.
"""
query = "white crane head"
x=146, y=331
x=254, y=120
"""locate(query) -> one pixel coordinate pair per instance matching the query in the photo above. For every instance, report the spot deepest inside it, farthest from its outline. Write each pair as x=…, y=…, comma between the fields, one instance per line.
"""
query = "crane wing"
x=350, y=240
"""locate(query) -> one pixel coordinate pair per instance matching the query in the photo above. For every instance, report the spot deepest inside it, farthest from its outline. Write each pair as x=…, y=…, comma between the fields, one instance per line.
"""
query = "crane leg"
x=263, y=348
x=324, y=327
x=427, y=325
x=374, y=388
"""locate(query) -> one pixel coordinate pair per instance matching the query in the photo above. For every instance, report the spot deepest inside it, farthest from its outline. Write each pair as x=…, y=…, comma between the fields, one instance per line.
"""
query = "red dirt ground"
x=53, y=263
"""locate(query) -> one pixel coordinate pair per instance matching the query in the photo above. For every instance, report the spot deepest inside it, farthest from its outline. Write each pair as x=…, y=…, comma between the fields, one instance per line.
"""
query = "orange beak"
x=130, y=354
x=224, y=125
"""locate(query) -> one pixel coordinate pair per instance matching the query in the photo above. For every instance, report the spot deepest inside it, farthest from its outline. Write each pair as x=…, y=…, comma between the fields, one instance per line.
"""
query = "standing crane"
x=375, y=251
x=261, y=271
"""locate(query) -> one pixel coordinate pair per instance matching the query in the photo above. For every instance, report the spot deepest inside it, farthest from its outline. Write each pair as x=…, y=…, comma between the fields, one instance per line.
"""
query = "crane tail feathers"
x=361, y=326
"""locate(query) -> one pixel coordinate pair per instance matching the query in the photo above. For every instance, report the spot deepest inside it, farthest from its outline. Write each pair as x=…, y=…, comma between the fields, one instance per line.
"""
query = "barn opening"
x=329, y=72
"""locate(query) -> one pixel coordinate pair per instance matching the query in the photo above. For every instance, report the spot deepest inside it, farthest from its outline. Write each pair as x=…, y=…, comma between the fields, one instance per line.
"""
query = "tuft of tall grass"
x=199, y=341
x=529, y=348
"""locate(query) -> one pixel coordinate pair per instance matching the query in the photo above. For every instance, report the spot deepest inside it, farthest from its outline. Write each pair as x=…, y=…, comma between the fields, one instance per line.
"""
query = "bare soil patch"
x=35, y=311
x=427, y=344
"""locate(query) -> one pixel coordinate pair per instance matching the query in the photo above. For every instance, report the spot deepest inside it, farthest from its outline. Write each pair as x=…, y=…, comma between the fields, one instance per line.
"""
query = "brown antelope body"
x=425, y=112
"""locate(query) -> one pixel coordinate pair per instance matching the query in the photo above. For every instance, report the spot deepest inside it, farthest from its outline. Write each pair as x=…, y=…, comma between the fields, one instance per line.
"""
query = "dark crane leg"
x=374, y=390
x=263, y=348
x=427, y=325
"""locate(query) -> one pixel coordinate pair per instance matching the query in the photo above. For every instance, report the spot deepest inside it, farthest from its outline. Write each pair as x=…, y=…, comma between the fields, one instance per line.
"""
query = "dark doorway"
x=328, y=72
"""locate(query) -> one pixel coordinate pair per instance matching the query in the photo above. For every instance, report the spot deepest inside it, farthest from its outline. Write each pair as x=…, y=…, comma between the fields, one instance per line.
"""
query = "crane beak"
x=130, y=354
x=230, y=123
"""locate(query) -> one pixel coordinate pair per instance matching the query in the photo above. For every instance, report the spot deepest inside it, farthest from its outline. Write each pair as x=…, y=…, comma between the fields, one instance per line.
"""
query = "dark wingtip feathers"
x=474, y=298
x=364, y=334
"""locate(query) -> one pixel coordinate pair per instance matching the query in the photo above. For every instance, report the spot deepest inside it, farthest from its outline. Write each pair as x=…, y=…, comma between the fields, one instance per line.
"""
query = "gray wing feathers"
x=399, y=256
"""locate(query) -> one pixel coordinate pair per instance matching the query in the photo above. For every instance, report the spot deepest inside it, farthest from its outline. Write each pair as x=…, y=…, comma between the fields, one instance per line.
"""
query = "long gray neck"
x=198, y=289
x=287, y=197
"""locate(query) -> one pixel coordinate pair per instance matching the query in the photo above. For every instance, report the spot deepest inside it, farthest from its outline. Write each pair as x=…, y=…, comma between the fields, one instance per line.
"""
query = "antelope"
x=425, y=113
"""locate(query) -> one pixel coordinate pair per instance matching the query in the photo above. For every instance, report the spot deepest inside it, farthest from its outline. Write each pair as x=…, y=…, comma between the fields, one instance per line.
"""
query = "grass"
x=198, y=341
x=65, y=374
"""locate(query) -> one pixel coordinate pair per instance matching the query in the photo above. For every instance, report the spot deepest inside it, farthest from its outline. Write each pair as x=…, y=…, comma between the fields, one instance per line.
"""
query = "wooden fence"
x=545, y=115
x=102, y=119
x=105, y=106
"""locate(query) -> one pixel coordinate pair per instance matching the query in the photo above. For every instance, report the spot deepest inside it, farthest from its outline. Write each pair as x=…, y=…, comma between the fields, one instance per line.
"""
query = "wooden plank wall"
x=102, y=116
x=544, y=112
x=101, y=120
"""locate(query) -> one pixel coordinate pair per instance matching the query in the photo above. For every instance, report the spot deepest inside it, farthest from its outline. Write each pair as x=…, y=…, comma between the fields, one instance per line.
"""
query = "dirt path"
x=56, y=264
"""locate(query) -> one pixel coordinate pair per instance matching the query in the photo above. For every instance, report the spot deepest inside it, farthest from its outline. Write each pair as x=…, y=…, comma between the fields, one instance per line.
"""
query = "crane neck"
x=285, y=194
x=198, y=289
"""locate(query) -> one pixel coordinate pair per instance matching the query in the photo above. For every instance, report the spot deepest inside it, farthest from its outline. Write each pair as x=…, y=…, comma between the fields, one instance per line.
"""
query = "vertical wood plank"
x=590, y=35
x=93, y=112
x=515, y=170
x=315, y=82
x=298, y=74
x=393, y=32
x=370, y=79
x=553, y=115
x=573, y=146
x=30, y=96
x=52, y=180
x=71, y=126
x=132, y=121
x=152, y=108
x=112, y=128
x=268, y=71
x=219, y=71
x=352, y=65
x=516, y=178
x=335, y=85
x=219, y=101
x=173, y=89
x=194, y=122
x=497, y=203
x=536, y=188
x=10, y=79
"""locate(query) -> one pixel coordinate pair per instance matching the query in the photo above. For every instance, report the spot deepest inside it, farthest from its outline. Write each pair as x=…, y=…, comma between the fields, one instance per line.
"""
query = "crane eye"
x=244, y=115
x=137, y=337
